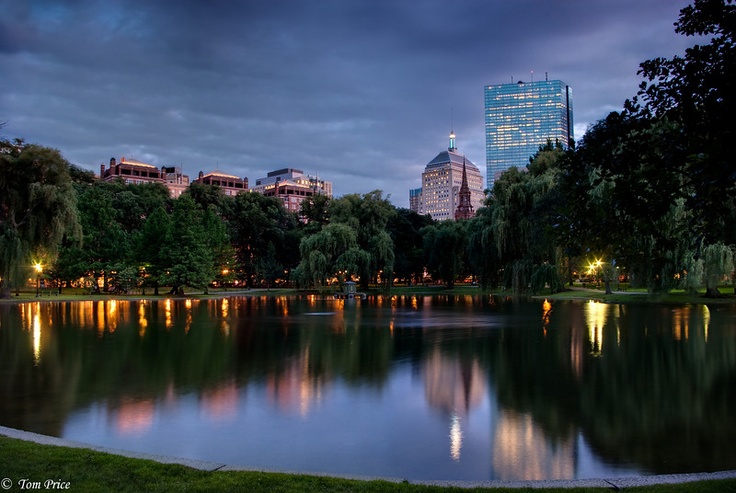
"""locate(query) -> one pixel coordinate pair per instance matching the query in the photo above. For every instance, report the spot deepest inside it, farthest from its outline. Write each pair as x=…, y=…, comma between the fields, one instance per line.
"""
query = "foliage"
x=445, y=247
x=717, y=263
x=315, y=211
x=368, y=216
x=630, y=204
x=259, y=226
x=482, y=253
x=37, y=209
x=522, y=218
x=545, y=276
x=405, y=230
x=332, y=252
x=697, y=92
x=151, y=246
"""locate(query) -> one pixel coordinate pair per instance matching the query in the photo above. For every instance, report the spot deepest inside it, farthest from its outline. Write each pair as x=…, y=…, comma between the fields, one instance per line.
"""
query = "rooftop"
x=124, y=160
x=221, y=175
x=451, y=157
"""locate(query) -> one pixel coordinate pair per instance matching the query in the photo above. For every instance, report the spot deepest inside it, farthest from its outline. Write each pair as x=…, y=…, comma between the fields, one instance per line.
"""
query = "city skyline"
x=358, y=92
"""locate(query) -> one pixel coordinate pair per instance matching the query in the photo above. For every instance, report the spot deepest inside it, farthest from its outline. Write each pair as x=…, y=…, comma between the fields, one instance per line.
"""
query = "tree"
x=444, y=249
x=207, y=195
x=482, y=253
x=623, y=201
x=697, y=92
x=255, y=222
x=37, y=209
x=404, y=228
x=151, y=248
x=315, y=211
x=189, y=256
x=368, y=216
x=223, y=253
x=524, y=219
x=332, y=252
x=106, y=245
x=717, y=262
x=268, y=268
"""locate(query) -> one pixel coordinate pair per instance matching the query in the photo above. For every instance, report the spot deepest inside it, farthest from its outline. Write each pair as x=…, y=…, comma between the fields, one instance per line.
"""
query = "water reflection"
x=37, y=336
x=522, y=450
x=221, y=402
x=596, y=314
x=431, y=387
x=133, y=416
x=295, y=389
x=454, y=386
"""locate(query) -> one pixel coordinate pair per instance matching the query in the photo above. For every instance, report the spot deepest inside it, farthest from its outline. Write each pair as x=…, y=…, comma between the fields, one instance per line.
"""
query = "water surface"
x=422, y=387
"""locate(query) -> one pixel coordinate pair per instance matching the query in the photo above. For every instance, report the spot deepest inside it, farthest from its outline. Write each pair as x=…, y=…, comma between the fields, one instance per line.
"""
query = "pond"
x=415, y=387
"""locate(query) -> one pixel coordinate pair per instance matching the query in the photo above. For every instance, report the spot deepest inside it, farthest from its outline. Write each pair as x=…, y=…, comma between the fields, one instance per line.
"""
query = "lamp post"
x=594, y=269
x=39, y=268
x=225, y=272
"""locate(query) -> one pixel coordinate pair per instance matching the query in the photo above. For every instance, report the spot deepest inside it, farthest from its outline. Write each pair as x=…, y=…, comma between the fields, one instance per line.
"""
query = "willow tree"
x=523, y=220
x=717, y=262
x=333, y=252
x=37, y=209
x=368, y=215
x=445, y=248
x=482, y=253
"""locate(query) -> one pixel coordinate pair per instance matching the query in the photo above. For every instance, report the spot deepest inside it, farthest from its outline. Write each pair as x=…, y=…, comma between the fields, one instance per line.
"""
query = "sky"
x=362, y=93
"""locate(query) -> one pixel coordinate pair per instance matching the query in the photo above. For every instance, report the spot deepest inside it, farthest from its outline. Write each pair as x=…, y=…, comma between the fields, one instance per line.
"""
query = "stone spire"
x=465, y=208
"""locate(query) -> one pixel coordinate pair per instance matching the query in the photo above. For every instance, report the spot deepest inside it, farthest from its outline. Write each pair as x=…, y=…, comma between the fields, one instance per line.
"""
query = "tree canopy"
x=37, y=209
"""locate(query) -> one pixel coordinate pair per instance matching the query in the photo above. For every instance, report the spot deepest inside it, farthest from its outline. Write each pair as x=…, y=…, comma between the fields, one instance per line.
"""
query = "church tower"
x=465, y=207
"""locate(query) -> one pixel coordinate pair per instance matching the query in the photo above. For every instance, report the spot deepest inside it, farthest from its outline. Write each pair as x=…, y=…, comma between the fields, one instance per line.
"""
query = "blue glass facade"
x=520, y=117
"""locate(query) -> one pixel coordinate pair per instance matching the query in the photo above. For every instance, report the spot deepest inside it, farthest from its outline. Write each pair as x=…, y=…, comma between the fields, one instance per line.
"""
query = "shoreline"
x=571, y=293
x=215, y=467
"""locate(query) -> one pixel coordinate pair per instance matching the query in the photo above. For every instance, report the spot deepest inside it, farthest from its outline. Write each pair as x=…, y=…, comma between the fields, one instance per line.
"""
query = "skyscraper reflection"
x=522, y=450
x=454, y=386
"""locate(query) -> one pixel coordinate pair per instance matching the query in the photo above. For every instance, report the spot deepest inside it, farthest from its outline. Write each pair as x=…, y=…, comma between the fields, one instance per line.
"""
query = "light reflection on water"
x=416, y=387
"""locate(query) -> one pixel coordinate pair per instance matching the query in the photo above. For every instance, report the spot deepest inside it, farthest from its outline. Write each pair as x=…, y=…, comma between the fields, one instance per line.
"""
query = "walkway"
x=612, y=483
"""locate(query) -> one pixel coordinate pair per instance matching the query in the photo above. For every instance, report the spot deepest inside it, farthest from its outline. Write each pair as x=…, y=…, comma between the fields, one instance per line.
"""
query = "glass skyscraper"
x=520, y=117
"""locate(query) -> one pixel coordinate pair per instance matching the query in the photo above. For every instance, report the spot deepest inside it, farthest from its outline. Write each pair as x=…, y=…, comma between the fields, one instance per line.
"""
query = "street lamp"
x=594, y=269
x=39, y=268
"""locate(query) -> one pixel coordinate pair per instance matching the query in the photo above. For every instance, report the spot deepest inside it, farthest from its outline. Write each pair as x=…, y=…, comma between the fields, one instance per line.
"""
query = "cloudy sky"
x=359, y=92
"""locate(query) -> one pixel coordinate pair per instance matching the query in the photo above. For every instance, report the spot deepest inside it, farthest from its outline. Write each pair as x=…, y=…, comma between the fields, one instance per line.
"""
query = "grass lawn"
x=84, y=470
x=643, y=296
x=623, y=295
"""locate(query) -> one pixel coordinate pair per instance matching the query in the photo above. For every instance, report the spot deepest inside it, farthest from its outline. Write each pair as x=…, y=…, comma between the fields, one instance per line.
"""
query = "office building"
x=131, y=172
x=292, y=186
x=441, y=183
x=175, y=180
x=229, y=184
x=415, y=198
x=521, y=116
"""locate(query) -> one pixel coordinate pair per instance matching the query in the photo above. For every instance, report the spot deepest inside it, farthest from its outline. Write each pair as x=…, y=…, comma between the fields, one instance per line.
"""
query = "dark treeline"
x=649, y=194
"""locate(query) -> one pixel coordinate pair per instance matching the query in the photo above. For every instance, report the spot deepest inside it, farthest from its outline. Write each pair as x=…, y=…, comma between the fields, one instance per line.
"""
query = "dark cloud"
x=361, y=92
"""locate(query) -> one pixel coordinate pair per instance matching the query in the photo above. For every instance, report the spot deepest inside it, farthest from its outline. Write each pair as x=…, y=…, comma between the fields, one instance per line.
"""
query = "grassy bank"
x=642, y=296
x=577, y=292
x=85, y=470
